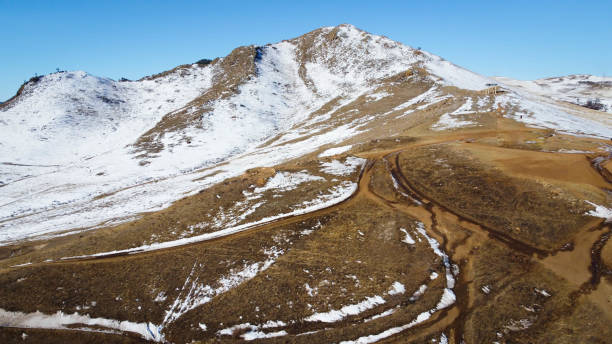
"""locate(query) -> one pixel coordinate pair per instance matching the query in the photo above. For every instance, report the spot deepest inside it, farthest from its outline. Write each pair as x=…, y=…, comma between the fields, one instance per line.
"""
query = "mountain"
x=356, y=171
x=575, y=89
x=89, y=145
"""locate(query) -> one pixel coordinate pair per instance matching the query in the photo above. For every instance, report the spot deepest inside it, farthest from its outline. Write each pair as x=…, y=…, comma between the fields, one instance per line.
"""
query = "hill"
x=334, y=187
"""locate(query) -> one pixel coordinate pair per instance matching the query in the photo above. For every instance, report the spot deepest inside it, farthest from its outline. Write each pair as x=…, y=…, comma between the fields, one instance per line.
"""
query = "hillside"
x=334, y=187
x=575, y=89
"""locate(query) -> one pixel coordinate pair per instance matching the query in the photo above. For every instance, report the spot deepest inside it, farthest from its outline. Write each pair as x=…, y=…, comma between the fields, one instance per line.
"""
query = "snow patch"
x=397, y=288
x=381, y=315
x=338, y=168
x=600, y=211
x=335, y=151
x=285, y=181
x=374, y=97
x=61, y=320
x=337, y=315
x=454, y=120
x=453, y=75
x=408, y=239
x=254, y=331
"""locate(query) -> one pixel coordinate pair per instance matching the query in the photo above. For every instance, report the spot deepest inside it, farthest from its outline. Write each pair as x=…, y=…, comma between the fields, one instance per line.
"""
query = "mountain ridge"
x=335, y=187
x=129, y=133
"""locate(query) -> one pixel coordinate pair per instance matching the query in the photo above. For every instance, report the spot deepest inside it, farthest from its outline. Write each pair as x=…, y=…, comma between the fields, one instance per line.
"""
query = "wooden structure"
x=493, y=89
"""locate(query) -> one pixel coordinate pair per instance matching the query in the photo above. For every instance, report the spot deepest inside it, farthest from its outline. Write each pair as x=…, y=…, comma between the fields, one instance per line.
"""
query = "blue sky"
x=519, y=39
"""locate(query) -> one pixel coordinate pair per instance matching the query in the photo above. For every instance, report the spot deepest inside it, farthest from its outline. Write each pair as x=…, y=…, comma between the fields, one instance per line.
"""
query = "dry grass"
x=327, y=259
x=487, y=214
x=520, y=208
x=514, y=279
x=216, y=208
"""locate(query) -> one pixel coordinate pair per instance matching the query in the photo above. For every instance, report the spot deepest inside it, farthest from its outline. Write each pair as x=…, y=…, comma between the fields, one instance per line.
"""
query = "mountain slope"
x=79, y=150
x=82, y=136
x=335, y=187
x=575, y=89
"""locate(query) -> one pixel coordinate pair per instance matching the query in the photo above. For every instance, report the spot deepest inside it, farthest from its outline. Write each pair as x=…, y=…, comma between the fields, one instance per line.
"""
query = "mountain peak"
x=324, y=87
x=336, y=187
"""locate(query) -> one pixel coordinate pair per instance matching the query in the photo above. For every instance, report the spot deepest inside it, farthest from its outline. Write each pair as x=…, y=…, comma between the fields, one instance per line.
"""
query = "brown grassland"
x=504, y=202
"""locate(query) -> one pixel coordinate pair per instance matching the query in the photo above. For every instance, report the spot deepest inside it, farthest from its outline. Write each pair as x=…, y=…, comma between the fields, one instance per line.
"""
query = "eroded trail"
x=590, y=239
x=429, y=211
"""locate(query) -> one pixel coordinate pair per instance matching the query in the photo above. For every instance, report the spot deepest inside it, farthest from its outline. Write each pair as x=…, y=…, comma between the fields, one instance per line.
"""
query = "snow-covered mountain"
x=78, y=151
x=576, y=89
x=336, y=187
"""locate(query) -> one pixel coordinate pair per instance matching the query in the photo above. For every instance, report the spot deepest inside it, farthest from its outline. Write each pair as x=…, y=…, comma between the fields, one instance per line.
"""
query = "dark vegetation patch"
x=594, y=104
x=204, y=62
x=596, y=84
x=521, y=208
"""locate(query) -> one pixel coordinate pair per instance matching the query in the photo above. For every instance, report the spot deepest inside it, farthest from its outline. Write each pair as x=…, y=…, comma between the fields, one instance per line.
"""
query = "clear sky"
x=518, y=39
